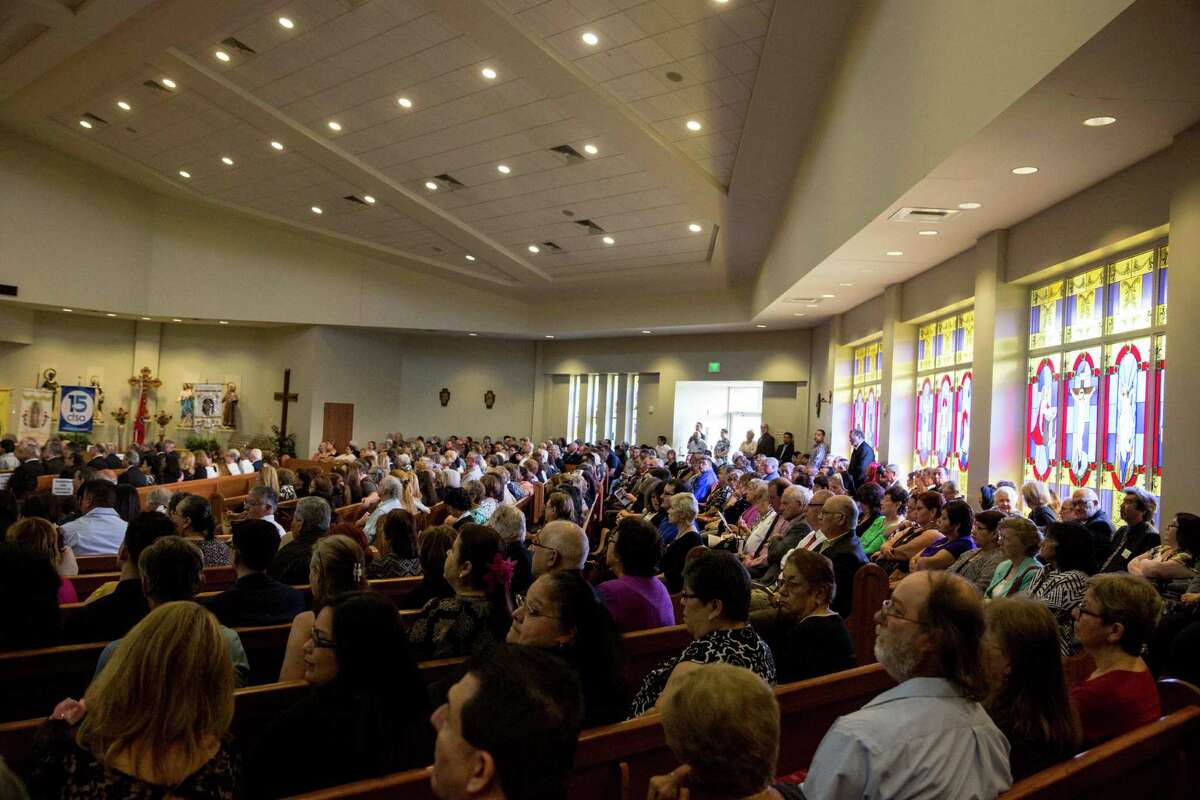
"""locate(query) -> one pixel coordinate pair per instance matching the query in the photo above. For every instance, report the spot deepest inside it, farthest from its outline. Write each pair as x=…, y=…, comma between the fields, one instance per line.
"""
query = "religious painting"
x=1042, y=419
x=1045, y=315
x=924, y=429
x=1160, y=312
x=1160, y=380
x=964, y=343
x=962, y=419
x=870, y=426
x=1125, y=412
x=36, y=414
x=5, y=411
x=1130, y=293
x=925, y=338
x=489, y=398
x=1085, y=306
x=207, y=405
x=943, y=423
x=1082, y=397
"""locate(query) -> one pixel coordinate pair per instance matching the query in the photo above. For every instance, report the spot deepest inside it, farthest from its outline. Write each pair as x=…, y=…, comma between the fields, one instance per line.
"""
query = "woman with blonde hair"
x=1041, y=503
x=150, y=738
x=338, y=565
x=187, y=465
x=43, y=538
x=268, y=476
x=410, y=492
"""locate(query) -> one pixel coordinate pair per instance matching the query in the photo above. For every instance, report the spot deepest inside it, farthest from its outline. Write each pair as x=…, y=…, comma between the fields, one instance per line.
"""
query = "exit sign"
x=714, y=366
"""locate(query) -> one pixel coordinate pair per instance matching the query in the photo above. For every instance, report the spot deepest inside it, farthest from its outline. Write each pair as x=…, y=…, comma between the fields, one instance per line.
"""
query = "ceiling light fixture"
x=760, y=326
x=927, y=233
x=503, y=169
x=472, y=334
x=1099, y=122
x=369, y=199
x=176, y=319
x=404, y=102
x=488, y=73
x=695, y=227
x=121, y=104
x=647, y=331
x=277, y=145
x=590, y=38
x=227, y=161
x=694, y=125
x=798, y=314
x=110, y=314
x=894, y=253
x=83, y=123
x=317, y=210
x=970, y=206
x=183, y=173
x=845, y=284
x=222, y=56
x=222, y=322
x=591, y=149
x=549, y=336
x=1024, y=170
x=167, y=82
x=431, y=186
x=286, y=23
x=828, y=296
x=146, y=319
x=533, y=248
x=68, y=310
x=469, y=257
x=609, y=240
x=334, y=125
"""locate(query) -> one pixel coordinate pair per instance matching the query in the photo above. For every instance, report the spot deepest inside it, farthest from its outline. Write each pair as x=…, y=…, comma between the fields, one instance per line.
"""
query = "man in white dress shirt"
x=261, y=503
x=100, y=530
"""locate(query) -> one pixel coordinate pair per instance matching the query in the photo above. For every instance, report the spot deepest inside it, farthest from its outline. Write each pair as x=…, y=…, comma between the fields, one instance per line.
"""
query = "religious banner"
x=5, y=411
x=77, y=409
x=206, y=407
x=35, y=414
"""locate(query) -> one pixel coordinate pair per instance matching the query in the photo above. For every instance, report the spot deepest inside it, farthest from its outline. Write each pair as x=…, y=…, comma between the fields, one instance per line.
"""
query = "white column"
x=899, y=347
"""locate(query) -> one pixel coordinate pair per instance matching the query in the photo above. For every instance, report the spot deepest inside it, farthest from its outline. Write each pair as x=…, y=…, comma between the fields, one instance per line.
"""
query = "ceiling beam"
x=46, y=12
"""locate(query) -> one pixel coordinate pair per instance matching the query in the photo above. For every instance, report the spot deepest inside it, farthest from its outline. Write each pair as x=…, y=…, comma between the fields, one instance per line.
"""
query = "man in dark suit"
x=24, y=478
x=787, y=449
x=134, y=476
x=254, y=598
x=53, y=462
x=839, y=518
x=1096, y=522
x=113, y=461
x=98, y=460
x=861, y=460
x=766, y=442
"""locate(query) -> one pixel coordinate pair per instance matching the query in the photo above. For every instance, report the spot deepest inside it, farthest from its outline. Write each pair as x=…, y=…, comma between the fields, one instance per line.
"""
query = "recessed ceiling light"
x=334, y=125
x=845, y=284
x=227, y=161
x=183, y=173
x=277, y=145
x=286, y=23
x=894, y=253
x=83, y=123
x=695, y=227
x=110, y=314
x=222, y=322
x=469, y=257
x=68, y=310
x=970, y=206
x=927, y=233
x=176, y=319
x=533, y=248
x=647, y=331
x=609, y=240
x=369, y=199
x=591, y=149
x=488, y=73
x=590, y=39
x=472, y=334
x=549, y=336
x=147, y=319
x=1024, y=170
x=798, y=314
x=317, y=210
x=431, y=186
x=121, y=104
x=1099, y=122
x=503, y=169
x=828, y=296
x=404, y=102
x=694, y=125
x=760, y=326
x=221, y=55
x=167, y=82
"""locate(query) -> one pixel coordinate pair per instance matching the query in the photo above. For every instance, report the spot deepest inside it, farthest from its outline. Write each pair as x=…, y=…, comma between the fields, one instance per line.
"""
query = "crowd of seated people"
x=760, y=548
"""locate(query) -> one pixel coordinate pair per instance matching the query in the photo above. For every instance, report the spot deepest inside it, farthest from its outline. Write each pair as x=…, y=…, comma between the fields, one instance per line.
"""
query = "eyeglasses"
x=543, y=546
x=1080, y=611
x=688, y=596
x=888, y=609
x=534, y=613
x=321, y=642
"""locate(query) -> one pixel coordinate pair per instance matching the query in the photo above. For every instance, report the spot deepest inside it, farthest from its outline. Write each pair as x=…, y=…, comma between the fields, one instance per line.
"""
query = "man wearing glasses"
x=929, y=736
x=839, y=517
x=561, y=545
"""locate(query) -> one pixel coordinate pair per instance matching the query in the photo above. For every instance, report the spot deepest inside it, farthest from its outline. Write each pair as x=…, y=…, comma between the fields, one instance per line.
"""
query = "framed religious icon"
x=489, y=398
x=444, y=396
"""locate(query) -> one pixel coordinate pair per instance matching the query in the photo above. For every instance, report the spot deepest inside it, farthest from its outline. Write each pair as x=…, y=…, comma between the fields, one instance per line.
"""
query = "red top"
x=1115, y=703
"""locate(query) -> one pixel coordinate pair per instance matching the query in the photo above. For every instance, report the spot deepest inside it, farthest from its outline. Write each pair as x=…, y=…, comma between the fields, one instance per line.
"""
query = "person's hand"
x=70, y=711
x=666, y=787
x=1190, y=597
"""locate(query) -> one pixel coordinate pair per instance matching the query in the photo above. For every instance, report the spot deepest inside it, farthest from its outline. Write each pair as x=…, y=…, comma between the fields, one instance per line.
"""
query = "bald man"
x=561, y=545
x=839, y=518
x=1096, y=521
x=931, y=725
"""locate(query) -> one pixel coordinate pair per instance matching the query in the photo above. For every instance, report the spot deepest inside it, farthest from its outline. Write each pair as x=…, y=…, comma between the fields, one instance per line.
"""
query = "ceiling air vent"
x=94, y=119
x=592, y=228
x=355, y=199
x=449, y=181
x=238, y=45
x=552, y=246
x=571, y=153
x=153, y=84
x=926, y=216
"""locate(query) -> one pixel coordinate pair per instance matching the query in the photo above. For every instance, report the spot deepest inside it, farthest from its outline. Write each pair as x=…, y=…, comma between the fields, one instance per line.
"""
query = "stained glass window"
x=962, y=420
x=1081, y=410
x=1161, y=299
x=946, y=342
x=925, y=337
x=943, y=394
x=965, y=343
x=1126, y=385
x=1042, y=420
x=866, y=390
x=1045, y=316
x=1130, y=293
x=924, y=419
x=1085, y=306
x=1160, y=380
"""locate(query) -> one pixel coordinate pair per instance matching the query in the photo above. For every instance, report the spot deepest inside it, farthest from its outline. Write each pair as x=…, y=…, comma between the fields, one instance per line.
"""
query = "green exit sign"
x=714, y=366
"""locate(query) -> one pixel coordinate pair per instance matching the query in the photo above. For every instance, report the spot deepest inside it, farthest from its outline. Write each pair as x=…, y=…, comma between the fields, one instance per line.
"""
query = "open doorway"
x=735, y=406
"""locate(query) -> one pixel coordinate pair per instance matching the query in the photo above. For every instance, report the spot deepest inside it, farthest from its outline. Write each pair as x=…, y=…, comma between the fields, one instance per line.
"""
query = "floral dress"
x=451, y=627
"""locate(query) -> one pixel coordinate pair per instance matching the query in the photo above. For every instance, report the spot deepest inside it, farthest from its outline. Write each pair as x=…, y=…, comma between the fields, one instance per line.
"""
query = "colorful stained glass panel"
x=1160, y=382
x=962, y=419
x=925, y=339
x=1045, y=316
x=965, y=351
x=1130, y=293
x=1042, y=423
x=1125, y=413
x=943, y=422
x=946, y=342
x=870, y=426
x=1085, y=306
x=1081, y=378
x=1160, y=315
x=924, y=423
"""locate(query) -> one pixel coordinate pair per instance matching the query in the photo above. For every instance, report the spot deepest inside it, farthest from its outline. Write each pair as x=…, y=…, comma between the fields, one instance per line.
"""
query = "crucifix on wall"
x=286, y=396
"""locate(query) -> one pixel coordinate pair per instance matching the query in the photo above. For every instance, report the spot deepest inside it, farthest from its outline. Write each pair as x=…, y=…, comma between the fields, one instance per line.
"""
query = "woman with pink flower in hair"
x=479, y=613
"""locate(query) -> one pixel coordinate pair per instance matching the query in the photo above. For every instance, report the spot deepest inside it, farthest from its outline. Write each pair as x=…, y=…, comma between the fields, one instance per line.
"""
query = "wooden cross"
x=286, y=397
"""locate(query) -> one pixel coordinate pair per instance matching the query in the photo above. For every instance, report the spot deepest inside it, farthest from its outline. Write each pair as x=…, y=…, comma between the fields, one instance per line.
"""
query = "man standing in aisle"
x=861, y=460
x=816, y=456
x=766, y=442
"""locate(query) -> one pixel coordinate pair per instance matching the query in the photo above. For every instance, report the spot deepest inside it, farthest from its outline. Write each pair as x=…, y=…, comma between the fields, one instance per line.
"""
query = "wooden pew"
x=224, y=485
x=870, y=590
x=46, y=482
x=295, y=464
x=215, y=579
x=90, y=564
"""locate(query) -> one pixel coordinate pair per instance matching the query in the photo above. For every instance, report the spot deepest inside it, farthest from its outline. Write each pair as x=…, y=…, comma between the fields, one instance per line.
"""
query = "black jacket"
x=860, y=466
x=256, y=599
x=1102, y=532
x=1130, y=541
x=847, y=556
x=24, y=478
x=290, y=564
x=766, y=446
x=135, y=477
x=785, y=453
x=110, y=617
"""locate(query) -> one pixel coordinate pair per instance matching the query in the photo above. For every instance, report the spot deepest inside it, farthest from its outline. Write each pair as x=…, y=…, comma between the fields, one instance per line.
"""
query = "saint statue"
x=229, y=407
x=94, y=381
x=187, y=406
x=50, y=383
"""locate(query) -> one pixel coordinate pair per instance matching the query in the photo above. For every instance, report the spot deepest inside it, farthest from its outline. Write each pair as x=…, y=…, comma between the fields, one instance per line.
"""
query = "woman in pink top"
x=636, y=599
x=1113, y=623
x=41, y=535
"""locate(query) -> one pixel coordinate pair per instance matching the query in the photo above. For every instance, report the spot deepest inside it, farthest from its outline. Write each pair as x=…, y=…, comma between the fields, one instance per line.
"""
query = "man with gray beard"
x=929, y=736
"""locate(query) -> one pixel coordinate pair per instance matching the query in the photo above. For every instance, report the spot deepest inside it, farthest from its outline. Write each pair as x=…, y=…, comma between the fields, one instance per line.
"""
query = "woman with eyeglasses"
x=562, y=614
x=352, y=725
x=716, y=611
x=1113, y=623
x=808, y=638
x=337, y=565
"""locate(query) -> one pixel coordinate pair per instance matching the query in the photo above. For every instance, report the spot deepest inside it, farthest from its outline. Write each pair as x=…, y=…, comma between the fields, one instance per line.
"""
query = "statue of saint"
x=95, y=384
x=229, y=407
x=187, y=406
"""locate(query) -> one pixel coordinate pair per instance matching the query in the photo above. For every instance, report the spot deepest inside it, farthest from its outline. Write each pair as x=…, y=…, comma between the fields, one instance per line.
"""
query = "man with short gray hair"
x=312, y=522
x=389, y=500
x=839, y=518
x=1096, y=521
x=509, y=522
x=1137, y=535
x=561, y=545
x=261, y=502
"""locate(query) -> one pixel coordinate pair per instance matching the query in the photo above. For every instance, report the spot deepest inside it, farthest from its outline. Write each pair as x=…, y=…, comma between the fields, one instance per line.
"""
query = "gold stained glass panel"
x=925, y=336
x=1130, y=293
x=1085, y=306
x=945, y=342
x=1045, y=316
x=1160, y=310
x=966, y=350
